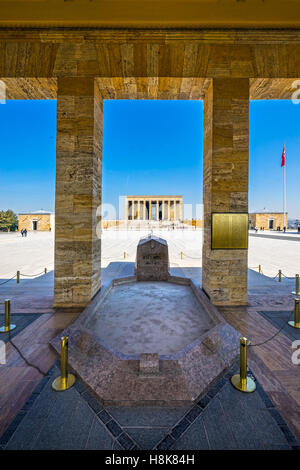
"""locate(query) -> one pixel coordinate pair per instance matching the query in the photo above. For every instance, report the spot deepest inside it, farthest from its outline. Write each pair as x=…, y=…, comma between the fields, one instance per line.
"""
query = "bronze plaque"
x=229, y=231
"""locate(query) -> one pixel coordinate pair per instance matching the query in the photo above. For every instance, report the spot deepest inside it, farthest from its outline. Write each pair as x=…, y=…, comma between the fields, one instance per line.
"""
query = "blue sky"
x=150, y=147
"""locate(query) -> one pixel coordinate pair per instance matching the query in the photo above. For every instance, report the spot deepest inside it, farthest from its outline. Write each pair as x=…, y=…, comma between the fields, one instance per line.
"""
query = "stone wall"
x=262, y=220
x=26, y=222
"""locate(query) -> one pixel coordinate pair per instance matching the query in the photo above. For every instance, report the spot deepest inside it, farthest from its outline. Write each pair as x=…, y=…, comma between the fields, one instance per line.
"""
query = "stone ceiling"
x=151, y=13
x=163, y=88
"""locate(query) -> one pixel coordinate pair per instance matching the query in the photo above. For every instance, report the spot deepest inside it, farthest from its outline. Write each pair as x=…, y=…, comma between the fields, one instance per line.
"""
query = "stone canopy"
x=152, y=259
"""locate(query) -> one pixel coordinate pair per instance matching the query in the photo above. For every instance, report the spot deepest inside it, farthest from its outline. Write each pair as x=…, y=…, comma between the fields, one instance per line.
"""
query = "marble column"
x=157, y=210
x=169, y=210
x=225, y=184
x=77, y=275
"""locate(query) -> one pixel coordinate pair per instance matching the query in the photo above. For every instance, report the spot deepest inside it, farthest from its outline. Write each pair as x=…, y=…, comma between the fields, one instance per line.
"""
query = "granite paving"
x=21, y=322
x=280, y=320
x=222, y=419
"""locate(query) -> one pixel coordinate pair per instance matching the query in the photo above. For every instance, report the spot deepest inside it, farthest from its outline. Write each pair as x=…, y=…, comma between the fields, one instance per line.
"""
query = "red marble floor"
x=271, y=362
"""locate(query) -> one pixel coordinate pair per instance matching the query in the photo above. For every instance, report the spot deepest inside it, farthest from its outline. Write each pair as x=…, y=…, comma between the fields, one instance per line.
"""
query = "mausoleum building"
x=153, y=208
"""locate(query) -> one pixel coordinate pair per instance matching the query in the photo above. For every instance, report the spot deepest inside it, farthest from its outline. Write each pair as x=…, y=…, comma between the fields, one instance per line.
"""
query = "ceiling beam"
x=151, y=13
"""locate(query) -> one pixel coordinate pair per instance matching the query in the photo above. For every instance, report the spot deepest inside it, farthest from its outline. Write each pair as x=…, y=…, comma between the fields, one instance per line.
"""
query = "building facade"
x=268, y=220
x=40, y=221
x=153, y=208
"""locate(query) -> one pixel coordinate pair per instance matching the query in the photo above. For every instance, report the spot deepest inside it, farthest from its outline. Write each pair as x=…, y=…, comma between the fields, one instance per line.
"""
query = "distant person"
x=256, y=229
x=25, y=232
x=284, y=229
x=22, y=232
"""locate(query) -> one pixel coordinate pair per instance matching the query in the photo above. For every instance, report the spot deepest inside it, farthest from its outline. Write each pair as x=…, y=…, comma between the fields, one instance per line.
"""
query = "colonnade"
x=79, y=189
x=153, y=208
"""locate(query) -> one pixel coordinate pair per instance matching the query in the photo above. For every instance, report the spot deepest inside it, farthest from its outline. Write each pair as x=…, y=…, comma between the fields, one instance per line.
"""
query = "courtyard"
x=32, y=254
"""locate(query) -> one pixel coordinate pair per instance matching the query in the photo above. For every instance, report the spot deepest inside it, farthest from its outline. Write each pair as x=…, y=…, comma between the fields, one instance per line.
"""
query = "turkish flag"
x=283, y=157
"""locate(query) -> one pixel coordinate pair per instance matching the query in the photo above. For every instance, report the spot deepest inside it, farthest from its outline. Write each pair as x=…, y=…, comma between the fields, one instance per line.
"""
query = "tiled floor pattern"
x=21, y=322
x=280, y=319
x=151, y=427
x=222, y=419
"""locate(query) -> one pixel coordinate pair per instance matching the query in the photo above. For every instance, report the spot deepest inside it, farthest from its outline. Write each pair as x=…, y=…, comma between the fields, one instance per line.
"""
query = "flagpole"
x=284, y=190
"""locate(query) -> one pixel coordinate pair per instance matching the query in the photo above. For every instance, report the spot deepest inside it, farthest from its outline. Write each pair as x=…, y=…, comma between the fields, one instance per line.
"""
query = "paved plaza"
x=31, y=254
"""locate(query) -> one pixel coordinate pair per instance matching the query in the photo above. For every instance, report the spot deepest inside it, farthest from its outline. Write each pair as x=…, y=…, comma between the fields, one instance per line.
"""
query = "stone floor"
x=216, y=425
x=270, y=362
x=222, y=419
x=36, y=251
x=280, y=320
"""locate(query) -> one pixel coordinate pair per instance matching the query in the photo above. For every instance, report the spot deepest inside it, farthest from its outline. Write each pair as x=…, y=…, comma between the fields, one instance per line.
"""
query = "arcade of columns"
x=165, y=208
x=80, y=68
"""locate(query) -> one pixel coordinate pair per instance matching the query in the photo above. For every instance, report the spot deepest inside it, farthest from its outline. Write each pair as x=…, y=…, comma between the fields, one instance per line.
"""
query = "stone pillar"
x=163, y=209
x=78, y=192
x=144, y=214
x=126, y=209
x=171, y=206
x=157, y=210
x=225, y=184
x=149, y=209
x=169, y=210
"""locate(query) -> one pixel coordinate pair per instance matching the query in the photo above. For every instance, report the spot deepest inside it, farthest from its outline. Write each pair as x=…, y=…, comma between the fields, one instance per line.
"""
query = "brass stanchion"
x=241, y=381
x=295, y=323
x=259, y=268
x=124, y=254
x=45, y=270
x=18, y=277
x=297, y=285
x=65, y=380
x=181, y=255
x=7, y=325
x=279, y=275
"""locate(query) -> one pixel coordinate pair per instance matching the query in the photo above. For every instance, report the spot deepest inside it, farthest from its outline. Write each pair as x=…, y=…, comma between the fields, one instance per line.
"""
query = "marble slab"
x=149, y=378
x=152, y=259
